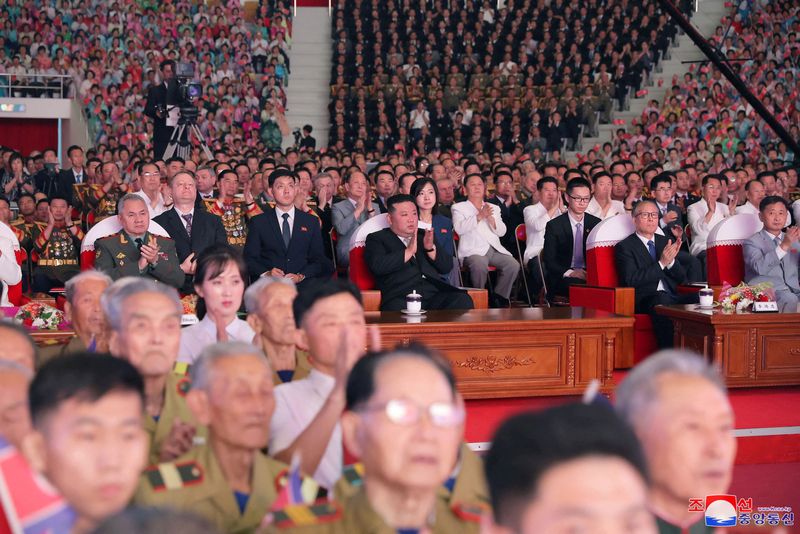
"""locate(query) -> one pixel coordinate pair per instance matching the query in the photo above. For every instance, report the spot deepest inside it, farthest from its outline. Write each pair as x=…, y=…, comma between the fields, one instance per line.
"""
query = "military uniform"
x=118, y=256
x=195, y=483
x=234, y=217
x=104, y=203
x=56, y=257
x=355, y=515
x=175, y=408
x=80, y=203
x=23, y=231
x=48, y=352
x=301, y=369
x=468, y=487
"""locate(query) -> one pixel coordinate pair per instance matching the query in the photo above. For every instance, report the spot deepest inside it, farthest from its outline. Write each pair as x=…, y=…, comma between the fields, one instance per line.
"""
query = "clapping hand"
x=189, y=264
x=179, y=441
x=670, y=252
x=790, y=237
x=411, y=248
x=427, y=241
x=149, y=252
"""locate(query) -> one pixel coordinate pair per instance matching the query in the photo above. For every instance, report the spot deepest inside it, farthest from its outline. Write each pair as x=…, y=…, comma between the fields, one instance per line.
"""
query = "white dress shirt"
x=197, y=337
x=279, y=214
x=536, y=219
x=594, y=208
x=80, y=176
x=475, y=237
x=180, y=215
x=644, y=240
x=296, y=405
x=159, y=209
x=701, y=228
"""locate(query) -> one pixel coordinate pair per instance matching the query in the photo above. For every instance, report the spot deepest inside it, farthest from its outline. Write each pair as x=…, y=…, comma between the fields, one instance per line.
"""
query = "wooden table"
x=752, y=349
x=517, y=352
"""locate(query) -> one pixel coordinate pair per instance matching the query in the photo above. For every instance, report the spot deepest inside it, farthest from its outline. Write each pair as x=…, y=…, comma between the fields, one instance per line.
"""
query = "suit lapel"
x=177, y=221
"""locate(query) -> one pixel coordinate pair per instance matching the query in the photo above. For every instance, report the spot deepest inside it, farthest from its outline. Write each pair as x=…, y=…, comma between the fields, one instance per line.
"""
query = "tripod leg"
x=173, y=141
x=201, y=140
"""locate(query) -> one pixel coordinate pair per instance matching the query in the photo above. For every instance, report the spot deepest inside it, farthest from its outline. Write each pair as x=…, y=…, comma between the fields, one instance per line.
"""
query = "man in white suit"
x=350, y=213
x=480, y=227
x=771, y=255
x=755, y=193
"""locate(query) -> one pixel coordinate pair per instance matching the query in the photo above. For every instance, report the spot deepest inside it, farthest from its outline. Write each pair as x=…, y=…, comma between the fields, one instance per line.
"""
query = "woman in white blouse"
x=219, y=281
x=10, y=272
x=602, y=205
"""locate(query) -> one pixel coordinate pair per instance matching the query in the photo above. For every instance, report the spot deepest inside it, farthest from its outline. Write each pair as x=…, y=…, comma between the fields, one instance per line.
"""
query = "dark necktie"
x=651, y=247
x=287, y=234
x=139, y=243
x=578, y=261
x=188, y=218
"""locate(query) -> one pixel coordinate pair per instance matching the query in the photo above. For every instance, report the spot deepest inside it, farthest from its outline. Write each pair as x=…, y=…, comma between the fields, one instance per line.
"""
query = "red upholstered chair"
x=724, y=260
x=359, y=272
x=105, y=228
x=602, y=289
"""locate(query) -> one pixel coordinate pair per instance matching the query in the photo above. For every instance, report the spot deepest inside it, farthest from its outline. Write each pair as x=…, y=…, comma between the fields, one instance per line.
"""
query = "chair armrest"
x=619, y=300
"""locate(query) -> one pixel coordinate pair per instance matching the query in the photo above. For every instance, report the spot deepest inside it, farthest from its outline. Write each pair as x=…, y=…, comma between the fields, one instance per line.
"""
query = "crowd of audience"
x=110, y=53
x=475, y=78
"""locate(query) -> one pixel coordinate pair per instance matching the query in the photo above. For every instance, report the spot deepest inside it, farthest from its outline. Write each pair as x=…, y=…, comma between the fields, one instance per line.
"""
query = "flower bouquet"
x=741, y=297
x=39, y=316
x=189, y=304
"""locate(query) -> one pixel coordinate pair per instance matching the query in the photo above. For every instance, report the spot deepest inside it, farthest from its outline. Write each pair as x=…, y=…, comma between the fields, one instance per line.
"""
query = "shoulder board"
x=299, y=515
x=161, y=237
x=40, y=224
x=172, y=476
x=469, y=512
x=310, y=490
x=209, y=201
x=181, y=368
x=354, y=474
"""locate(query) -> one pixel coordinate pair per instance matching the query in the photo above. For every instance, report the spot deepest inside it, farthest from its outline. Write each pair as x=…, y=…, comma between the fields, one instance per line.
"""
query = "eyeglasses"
x=648, y=215
x=407, y=413
x=580, y=200
x=151, y=174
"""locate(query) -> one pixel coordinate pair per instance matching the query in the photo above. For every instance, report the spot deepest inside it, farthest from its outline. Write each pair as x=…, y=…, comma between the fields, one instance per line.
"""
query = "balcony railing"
x=34, y=85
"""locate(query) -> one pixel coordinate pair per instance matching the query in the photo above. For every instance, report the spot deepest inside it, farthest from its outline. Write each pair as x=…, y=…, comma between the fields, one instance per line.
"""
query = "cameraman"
x=47, y=180
x=160, y=98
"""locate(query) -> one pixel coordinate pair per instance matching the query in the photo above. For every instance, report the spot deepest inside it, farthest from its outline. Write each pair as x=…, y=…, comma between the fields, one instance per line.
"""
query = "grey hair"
x=639, y=205
x=115, y=295
x=71, y=287
x=14, y=367
x=201, y=369
x=127, y=197
x=253, y=293
x=324, y=174
x=640, y=388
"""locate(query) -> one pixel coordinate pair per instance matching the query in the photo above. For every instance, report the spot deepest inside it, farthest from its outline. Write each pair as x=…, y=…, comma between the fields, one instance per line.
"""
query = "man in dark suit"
x=510, y=208
x=192, y=229
x=563, y=257
x=648, y=262
x=159, y=98
x=75, y=175
x=671, y=221
x=404, y=258
x=285, y=241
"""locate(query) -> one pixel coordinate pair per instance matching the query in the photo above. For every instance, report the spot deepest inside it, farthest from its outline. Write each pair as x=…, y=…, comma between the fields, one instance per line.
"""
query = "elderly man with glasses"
x=647, y=262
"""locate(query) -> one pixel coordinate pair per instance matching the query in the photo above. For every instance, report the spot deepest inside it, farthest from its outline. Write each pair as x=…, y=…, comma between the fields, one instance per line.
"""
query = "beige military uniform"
x=301, y=370
x=48, y=352
x=356, y=516
x=175, y=408
x=195, y=483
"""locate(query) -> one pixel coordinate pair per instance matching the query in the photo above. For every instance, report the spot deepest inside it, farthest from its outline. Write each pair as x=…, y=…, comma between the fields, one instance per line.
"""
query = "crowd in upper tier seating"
x=705, y=121
x=471, y=77
x=110, y=53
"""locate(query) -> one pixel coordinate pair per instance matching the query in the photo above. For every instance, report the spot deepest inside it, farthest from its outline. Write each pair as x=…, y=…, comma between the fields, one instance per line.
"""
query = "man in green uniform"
x=403, y=420
x=678, y=406
x=57, y=244
x=136, y=252
x=573, y=468
x=228, y=481
x=145, y=321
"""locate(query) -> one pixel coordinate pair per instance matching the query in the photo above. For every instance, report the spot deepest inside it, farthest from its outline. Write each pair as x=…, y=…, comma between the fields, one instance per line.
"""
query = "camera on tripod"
x=189, y=91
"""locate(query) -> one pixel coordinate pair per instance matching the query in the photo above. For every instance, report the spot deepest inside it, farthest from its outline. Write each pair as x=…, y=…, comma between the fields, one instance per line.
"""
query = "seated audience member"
x=602, y=205
x=350, y=213
x=285, y=241
x=229, y=481
x=331, y=327
x=385, y=187
x=771, y=255
x=233, y=211
x=426, y=195
x=58, y=244
x=479, y=227
x=510, y=210
x=10, y=271
x=671, y=224
x=17, y=345
x=573, y=468
x=134, y=251
x=536, y=217
x=192, y=229
x=755, y=193
x=15, y=420
x=704, y=215
x=87, y=439
x=323, y=208
x=647, y=262
x=145, y=321
x=219, y=282
x=564, y=250
x=678, y=407
x=405, y=258
x=206, y=180
x=269, y=313
x=388, y=394
x=150, y=189
x=82, y=308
